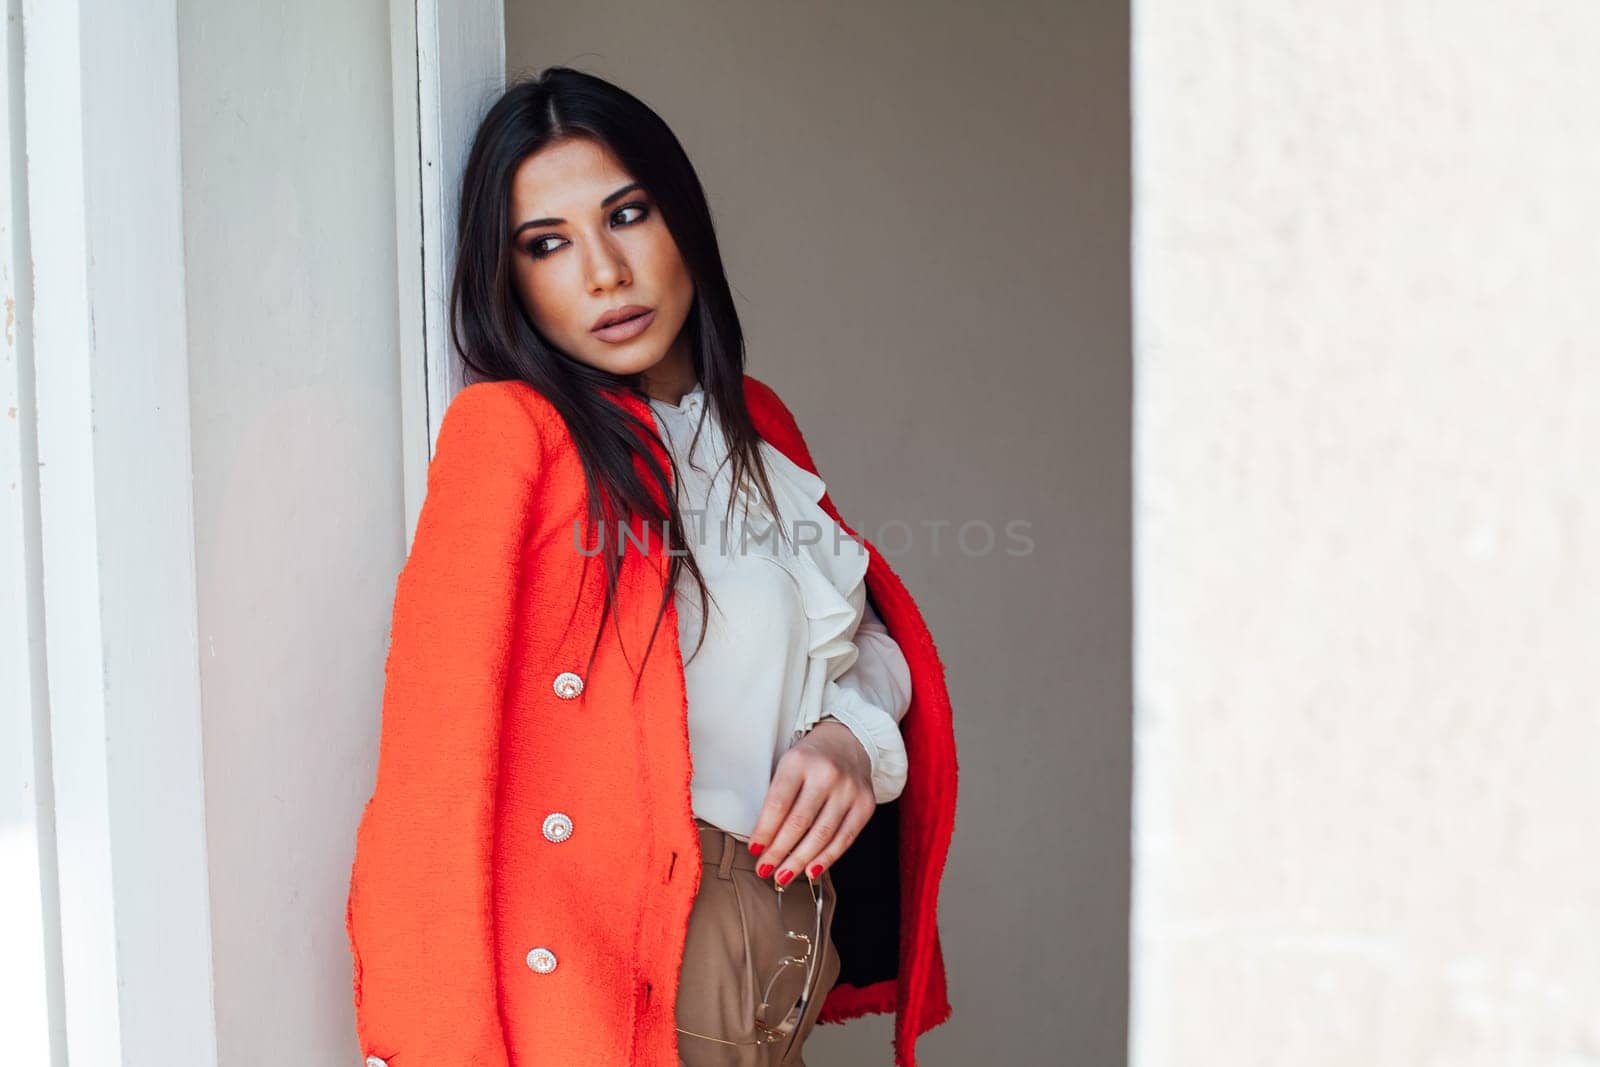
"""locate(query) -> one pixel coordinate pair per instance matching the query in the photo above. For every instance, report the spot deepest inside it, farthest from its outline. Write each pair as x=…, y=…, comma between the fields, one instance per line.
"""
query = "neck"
x=672, y=377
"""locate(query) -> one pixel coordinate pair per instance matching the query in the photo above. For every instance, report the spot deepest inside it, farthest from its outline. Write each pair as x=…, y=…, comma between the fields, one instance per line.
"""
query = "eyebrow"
x=607, y=202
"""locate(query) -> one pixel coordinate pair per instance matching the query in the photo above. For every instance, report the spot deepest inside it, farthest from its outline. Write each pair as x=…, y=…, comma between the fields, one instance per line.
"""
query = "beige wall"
x=1368, y=255
x=289, y=235
x=924, y=211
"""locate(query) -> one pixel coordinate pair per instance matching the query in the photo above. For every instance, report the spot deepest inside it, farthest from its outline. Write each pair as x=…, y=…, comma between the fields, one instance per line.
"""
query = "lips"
x=623, y=324
x=617, y=315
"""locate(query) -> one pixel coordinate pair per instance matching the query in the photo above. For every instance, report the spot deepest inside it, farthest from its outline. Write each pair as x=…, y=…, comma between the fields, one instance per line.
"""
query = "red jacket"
x=484, y=739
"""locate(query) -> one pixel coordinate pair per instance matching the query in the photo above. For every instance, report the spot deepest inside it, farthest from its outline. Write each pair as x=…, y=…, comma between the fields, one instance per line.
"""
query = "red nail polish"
x=763, y=870
x=783, y=879
x=756, y=847
x=816, y=869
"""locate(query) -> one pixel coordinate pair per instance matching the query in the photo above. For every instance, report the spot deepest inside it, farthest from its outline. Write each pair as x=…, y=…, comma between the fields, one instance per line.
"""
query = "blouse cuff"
x=878, y=733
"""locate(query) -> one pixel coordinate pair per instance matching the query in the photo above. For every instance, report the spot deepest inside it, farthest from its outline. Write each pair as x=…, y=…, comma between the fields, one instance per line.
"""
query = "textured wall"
x=1367, y=291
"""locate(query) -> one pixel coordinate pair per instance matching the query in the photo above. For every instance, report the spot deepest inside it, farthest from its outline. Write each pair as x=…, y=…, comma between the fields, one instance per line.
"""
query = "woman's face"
x=587, y=240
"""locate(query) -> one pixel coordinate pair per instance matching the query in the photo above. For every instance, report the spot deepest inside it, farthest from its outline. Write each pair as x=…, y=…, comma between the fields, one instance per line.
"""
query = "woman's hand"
x=820, y=798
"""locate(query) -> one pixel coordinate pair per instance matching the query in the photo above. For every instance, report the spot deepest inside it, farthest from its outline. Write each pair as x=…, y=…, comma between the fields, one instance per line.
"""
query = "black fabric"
x=866, y=917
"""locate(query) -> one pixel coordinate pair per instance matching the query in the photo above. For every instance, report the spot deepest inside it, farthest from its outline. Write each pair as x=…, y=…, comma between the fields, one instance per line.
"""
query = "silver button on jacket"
x=541, y=960
x=568, y=685
x=557, y=826
x=377, y=1061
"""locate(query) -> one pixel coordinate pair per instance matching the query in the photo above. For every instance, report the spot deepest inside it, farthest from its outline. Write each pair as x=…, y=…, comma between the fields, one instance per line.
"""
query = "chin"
x=621, y=361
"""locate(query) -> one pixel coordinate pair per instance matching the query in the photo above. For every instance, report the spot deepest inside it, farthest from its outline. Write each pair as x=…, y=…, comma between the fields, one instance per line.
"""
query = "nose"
x=607, y=266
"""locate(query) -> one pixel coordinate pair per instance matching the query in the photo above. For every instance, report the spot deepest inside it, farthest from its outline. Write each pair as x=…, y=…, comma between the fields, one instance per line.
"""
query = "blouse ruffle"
x=828, y=566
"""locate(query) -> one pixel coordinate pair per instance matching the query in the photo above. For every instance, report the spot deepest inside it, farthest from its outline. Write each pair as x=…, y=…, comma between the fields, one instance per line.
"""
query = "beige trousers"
x=735, y=941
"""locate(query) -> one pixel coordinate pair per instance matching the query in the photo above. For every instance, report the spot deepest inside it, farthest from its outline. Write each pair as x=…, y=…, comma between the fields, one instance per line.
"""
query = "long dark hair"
x=498, y=341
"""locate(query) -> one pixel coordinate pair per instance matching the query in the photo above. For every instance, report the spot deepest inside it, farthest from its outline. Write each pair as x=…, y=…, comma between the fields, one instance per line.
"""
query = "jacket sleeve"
x=419, y=910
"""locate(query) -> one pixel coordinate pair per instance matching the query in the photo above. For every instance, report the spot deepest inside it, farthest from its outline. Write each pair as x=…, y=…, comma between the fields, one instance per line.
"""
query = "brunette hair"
x=498, y=341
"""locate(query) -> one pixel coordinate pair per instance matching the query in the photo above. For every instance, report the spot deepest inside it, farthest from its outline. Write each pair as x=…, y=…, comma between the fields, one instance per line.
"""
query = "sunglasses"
x=787, y=992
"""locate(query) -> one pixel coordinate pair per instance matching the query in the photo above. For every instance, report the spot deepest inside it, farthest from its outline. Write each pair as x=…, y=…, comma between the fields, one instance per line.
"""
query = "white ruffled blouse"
x=792, y=638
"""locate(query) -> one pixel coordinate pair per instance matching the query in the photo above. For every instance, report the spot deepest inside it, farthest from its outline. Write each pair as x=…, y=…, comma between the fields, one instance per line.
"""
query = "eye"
x=536, y=247
x=643, y=208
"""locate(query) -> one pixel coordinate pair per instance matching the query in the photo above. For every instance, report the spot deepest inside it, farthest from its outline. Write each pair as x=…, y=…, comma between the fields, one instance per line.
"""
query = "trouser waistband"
x=721, y=849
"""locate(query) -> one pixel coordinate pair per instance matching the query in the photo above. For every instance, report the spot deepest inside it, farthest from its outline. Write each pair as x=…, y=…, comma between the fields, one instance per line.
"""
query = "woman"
x=584, y=846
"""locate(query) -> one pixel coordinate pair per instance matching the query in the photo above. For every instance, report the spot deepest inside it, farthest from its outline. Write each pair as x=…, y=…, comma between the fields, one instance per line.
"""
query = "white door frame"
x=448, y=67
x=98, y=532
x=104, y=880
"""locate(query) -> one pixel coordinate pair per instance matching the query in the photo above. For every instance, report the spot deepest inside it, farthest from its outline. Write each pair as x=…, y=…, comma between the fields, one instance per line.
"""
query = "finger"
x=824, y=829
x=820, y=779
x=855, y=820
x=781, y=791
